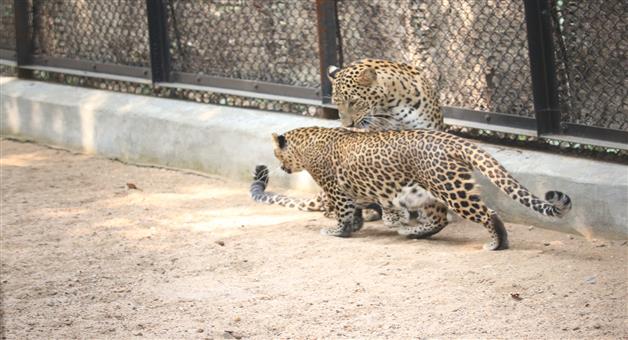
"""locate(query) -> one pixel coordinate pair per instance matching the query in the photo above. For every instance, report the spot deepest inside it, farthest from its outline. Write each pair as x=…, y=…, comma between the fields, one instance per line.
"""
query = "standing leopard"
x=393, y=167
x=371, y=95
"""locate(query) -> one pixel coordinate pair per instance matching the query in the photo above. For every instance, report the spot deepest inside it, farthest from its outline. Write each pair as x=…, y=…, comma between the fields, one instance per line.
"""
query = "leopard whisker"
x=385, y=122
x=275, y=170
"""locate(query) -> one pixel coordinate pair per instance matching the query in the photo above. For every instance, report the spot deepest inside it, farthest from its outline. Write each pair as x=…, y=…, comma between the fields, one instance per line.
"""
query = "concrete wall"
x=230, y=141
x=221, y=140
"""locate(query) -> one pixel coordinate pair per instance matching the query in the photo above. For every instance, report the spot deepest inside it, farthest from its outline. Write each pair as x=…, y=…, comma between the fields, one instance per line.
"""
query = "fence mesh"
x=265, y=40
x=590, y=44
x=7, y=25
x=112, y=31
x=474, y=51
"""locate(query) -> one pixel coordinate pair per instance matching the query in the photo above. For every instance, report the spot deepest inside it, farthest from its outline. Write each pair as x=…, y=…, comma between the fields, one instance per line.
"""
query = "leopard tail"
x=259, y=194
x=556, y=203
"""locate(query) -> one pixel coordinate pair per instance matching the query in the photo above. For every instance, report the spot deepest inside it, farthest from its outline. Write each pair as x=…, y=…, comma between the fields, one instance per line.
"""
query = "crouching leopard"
x=392, y=167
x=371, y=95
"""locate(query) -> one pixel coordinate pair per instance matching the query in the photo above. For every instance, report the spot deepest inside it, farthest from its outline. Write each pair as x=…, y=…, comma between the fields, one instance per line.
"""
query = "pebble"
x=231, y=335
x=591, y=280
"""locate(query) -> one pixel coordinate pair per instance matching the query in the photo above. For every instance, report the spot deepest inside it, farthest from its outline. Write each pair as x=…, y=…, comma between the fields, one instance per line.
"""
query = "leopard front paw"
x=357, y=224
x=370, y=215
x=337, y=231
x=330, y=214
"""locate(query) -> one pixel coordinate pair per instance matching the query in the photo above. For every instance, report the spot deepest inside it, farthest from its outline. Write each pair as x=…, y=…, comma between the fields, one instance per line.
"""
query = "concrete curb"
x=230, y=141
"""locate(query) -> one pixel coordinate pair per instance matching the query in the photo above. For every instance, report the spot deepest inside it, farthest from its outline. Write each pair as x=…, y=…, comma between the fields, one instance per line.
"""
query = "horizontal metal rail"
x=490, y=121
x=584, y=134
x=593, y=132
x=575, y=133
x=89, y=66
x=80, y=73
x=7, y=62
x=241, y=93
x=249, y=86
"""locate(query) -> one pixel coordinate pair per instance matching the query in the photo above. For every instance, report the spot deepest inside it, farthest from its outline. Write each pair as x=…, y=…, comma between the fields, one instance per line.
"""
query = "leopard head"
x=356, y=92
x=287, y=154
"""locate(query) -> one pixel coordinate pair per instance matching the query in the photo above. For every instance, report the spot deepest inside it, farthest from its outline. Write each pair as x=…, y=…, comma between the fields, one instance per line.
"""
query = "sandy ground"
x=192, y=257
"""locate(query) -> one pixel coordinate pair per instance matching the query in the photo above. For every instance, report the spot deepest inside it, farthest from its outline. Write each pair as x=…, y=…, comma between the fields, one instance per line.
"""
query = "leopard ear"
x=279, y=140
x=366, y=76
x=331, y=72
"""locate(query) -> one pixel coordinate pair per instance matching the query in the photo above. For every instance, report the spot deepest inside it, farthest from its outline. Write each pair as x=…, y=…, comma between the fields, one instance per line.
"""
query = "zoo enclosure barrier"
x=546, y=68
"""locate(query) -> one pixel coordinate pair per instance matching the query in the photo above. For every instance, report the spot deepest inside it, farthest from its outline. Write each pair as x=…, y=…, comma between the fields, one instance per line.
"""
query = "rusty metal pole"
x=327, y=50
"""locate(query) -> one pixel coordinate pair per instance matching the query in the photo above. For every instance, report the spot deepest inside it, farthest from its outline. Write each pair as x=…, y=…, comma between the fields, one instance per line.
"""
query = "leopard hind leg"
x=431, y=215
x=461, y=194
x=430, y=220
x=373, y=212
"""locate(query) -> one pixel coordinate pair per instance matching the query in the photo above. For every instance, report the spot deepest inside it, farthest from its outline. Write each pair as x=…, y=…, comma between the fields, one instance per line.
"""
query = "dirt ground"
x=189, y=256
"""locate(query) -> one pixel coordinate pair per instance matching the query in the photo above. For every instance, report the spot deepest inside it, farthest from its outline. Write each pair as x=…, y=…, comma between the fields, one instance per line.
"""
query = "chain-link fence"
x=7, y=25
x=264, y=40
x=590, y=38
x=475, y=52
x=112, y=31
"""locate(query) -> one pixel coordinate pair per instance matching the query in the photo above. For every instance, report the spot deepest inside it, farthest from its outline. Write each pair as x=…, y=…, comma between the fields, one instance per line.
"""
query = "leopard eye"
x=353, y=102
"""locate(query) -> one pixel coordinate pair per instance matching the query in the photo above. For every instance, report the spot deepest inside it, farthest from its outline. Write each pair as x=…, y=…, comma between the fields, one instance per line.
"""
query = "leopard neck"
x=315, y=148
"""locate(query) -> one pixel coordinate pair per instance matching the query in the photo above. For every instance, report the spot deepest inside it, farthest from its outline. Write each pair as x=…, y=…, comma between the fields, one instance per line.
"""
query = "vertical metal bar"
x=542, y=66
x=327, y=48
x=158, y=39
x=23, y=42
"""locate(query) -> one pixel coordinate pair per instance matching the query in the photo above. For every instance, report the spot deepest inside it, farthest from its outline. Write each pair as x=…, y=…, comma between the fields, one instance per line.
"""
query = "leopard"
x=371, y=95
x=403, y=171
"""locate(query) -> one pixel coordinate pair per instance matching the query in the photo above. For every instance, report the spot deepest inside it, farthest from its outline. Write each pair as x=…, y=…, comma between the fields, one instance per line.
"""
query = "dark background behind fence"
x=591, y=45
x=481, y=55
x=474, y=51
x=271, y=41
x=112, y=31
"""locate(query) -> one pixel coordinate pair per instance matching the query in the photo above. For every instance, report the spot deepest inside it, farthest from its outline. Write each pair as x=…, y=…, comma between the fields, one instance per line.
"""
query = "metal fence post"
x=23, y=42
x=542, y=67
x=327, y=24
x=158, y=39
